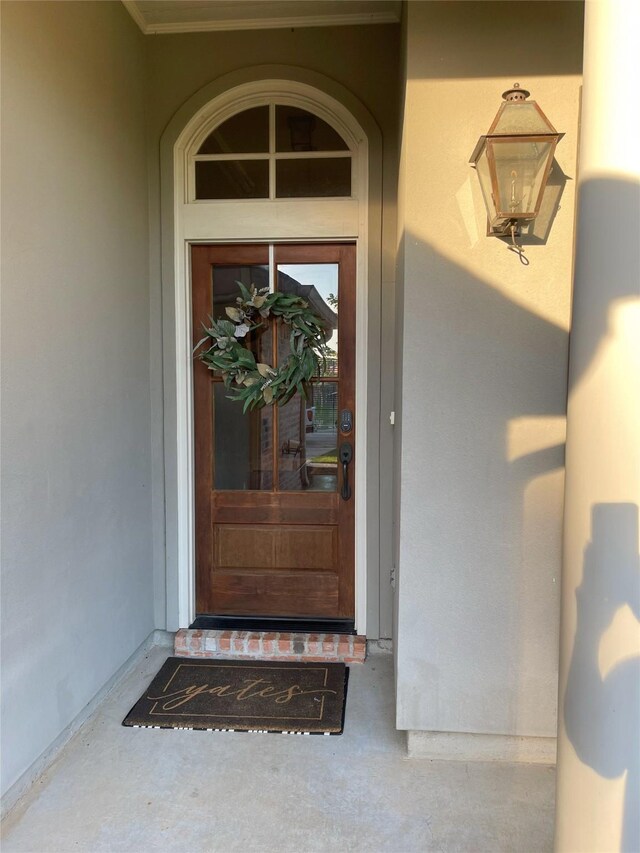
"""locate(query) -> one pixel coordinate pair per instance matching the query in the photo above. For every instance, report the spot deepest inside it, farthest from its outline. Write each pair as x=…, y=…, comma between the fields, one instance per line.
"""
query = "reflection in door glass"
x=225, y=288
x=225, y=293
x=318, y=284
x=308, y=437
x=243, y=444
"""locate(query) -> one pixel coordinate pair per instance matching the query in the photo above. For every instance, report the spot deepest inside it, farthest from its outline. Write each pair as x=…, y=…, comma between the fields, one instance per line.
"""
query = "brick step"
x=263, y=645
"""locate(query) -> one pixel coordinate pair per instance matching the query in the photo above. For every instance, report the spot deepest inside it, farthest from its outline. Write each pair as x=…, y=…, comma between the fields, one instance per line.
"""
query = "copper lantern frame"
x=502, y=222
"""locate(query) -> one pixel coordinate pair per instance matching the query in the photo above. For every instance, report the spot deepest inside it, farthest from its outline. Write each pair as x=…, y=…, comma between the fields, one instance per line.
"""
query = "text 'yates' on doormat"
x=254, y=696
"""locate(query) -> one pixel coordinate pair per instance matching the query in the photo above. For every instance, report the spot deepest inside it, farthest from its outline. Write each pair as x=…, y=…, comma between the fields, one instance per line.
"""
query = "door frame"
x=281, y=508
x=305, y=221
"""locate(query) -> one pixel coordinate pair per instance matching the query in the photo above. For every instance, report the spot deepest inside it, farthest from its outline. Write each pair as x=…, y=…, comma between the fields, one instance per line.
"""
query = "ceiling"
x=189, y=16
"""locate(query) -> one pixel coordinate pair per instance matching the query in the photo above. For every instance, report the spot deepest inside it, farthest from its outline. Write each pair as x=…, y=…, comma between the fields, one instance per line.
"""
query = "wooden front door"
x=274, y=513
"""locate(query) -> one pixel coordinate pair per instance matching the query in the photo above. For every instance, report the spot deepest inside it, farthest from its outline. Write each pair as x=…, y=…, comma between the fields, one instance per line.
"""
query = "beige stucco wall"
x=482, y=353
x=365, y=61
x=484, y=363
x=76, y=517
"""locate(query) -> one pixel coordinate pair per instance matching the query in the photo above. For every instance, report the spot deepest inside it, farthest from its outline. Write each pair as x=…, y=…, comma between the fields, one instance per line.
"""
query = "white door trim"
x=302, y=220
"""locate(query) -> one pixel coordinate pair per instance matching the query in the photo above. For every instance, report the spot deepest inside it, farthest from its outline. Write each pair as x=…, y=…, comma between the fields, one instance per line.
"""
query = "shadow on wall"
x=476, y=363
x=618, y=200
x=608, y=705
x=536, y=232
x=496, y=51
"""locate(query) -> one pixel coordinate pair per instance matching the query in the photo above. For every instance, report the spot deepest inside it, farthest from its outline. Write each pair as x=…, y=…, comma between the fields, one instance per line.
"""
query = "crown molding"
x=132, y=8
x=384, y=16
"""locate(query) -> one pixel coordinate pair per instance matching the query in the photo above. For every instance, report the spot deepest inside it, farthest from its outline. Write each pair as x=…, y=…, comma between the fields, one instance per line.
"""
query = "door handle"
x=346, y=455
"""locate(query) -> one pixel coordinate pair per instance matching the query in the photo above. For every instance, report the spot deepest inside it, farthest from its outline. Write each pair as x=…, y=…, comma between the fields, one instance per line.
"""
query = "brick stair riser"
x=270, y=646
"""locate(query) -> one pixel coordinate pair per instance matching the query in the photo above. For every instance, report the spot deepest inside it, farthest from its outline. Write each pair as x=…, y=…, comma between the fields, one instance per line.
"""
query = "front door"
x=273, y=490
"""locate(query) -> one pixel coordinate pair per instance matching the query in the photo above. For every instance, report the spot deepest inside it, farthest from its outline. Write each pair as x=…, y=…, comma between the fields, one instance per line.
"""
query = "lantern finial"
x=516, y=93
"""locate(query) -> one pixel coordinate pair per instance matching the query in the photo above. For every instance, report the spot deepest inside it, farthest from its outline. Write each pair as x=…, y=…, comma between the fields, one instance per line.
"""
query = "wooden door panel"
x=275, y=593
x=307, y=547
x=243, y=546
x=275, y=508
x=275, y=537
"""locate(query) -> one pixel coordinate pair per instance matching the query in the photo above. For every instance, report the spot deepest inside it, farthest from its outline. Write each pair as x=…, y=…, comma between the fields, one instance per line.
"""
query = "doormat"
x=244, y=696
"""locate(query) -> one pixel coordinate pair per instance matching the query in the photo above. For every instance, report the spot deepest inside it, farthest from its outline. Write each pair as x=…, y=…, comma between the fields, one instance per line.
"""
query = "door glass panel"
x=318, y=284
x=319, y=177
x=243, y=444
x=228, y=179
x=299, y=130
x=225, y=293
x=308, y=437
x=244, y=133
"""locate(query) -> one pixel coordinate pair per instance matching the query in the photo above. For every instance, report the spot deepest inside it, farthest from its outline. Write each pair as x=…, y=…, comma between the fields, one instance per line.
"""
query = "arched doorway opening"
x=308, y=183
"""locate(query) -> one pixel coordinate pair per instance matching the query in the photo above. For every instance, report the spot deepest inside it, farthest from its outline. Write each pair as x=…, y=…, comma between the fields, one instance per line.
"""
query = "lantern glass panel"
x=484, y=176
x=520, y=167
x=522, y=117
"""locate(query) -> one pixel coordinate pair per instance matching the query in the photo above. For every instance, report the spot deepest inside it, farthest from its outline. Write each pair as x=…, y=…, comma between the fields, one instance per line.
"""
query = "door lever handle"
x=346, y=455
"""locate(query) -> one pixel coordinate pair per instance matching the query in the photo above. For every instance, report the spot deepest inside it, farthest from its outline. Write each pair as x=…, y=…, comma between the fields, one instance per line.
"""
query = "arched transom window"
x=271, y=151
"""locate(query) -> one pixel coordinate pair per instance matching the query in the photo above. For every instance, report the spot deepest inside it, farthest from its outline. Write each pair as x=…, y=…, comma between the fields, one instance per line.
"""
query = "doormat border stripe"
x=234, y=731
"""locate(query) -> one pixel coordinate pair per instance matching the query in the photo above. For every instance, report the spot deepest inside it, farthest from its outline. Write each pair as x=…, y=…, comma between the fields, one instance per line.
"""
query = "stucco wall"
x=76, y=545
x=365, y=61
x=484, y=363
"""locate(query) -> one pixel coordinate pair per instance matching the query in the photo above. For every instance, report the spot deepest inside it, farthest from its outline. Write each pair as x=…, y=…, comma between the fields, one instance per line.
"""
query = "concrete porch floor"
x=120, y=789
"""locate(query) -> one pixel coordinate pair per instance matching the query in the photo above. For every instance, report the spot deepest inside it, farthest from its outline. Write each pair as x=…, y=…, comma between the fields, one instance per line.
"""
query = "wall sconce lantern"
x=513, y=160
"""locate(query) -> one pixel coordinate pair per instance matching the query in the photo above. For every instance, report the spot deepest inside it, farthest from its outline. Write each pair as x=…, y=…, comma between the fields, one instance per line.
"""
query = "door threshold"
x=205, y=622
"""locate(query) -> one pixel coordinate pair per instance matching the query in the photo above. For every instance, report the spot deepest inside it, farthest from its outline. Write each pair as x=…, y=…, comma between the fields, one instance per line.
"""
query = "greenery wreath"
x=254, y=383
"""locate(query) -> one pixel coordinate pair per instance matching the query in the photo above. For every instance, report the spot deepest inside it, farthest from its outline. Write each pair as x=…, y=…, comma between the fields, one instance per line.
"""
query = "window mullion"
x=272, y=268
x=312, y=155
x=272, y=150
x=207, y=158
